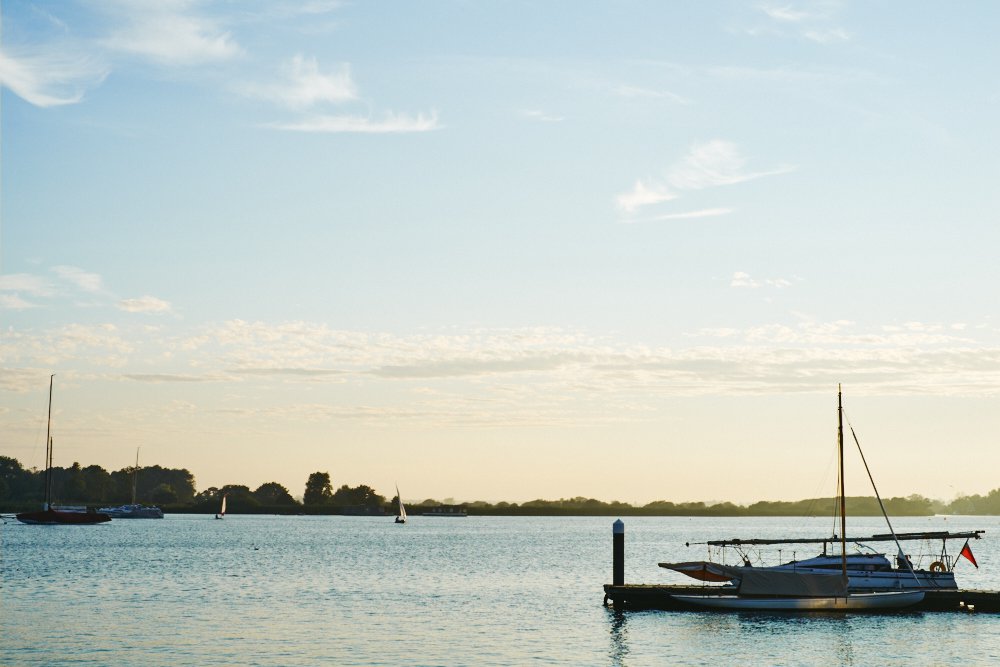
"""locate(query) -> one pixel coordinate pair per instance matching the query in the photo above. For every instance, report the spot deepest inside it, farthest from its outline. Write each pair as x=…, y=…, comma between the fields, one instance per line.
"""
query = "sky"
x=505, y=250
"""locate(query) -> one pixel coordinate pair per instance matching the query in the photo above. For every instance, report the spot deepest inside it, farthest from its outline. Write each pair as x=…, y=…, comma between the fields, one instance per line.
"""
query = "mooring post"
x=618, y=574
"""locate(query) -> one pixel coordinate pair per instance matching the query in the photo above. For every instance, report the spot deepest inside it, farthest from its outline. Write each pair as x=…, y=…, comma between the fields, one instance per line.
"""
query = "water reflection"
x=618, y=651
x=713, y=637
x=831, y=634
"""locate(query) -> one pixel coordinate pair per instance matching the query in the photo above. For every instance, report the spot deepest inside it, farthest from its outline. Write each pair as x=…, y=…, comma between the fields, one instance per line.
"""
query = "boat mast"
x=48, y=450
x=843, y=504
x=135, y=474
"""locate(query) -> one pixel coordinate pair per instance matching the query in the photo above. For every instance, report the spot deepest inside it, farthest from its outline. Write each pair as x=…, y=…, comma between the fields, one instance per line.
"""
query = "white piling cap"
x=618, y=527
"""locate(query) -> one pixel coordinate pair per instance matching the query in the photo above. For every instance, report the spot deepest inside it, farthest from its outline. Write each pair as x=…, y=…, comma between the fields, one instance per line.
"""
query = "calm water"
x=189, y=590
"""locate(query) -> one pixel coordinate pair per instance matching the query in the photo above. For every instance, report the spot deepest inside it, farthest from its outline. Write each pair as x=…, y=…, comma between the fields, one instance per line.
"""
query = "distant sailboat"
x=135, y=510
x=401, y=511
x=48, y=515
x=222, y=510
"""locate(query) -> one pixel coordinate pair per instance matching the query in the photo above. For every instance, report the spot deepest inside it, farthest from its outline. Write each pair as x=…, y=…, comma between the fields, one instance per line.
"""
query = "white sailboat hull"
x=856, y=602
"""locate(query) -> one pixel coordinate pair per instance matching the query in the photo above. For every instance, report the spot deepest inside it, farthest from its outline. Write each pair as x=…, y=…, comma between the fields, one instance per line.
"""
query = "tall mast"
x=843, y=508
x=135, y=474
x=48, y=450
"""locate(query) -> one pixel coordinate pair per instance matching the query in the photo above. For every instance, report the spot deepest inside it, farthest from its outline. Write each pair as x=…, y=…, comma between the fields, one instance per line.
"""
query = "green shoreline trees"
x=174, y=490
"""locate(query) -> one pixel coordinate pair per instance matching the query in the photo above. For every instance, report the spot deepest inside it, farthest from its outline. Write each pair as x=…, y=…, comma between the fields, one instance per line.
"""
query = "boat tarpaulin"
x=794, y=584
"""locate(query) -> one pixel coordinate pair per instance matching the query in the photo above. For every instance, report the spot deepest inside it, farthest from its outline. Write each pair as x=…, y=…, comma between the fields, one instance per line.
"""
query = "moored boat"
x=790, y=590
x=827, y=582
x=134, y=510
x=865, y=571
x=49, y=515
x=52, y=517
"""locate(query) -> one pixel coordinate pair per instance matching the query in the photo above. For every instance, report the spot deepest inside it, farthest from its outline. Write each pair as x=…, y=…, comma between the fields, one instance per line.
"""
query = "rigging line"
x=899, y=549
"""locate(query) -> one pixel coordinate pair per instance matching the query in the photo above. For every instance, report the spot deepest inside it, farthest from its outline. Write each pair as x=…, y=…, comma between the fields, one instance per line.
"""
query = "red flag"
x=967, y=552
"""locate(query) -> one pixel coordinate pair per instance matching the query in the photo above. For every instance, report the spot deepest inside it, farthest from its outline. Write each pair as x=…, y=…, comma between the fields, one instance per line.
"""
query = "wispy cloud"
x=293, y=372
x=814, y=20
x=648, y=93
x=786, y=13
x=169, y=32
x=145, y=304
x=14, y=302
x=707, y=165
x=741, y=279
x=828, y=36
x=304, y=85
x=535, y=114
x=643, y=195
x=388, y=124
x=539, y=361
x=715, y=163
x=14, y=285
x=160, y=378
x=70, y=282
x=26, y=283
x=81, y=279
x=684, y=215
x=792, y=75
x=50, y=79
x=309, y=90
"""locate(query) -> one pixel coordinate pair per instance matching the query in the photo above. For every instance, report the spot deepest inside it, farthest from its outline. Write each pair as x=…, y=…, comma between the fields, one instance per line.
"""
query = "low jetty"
x=660, y=596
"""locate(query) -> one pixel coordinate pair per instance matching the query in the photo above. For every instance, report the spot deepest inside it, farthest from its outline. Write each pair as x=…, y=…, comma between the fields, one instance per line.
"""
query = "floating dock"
x=660, y=596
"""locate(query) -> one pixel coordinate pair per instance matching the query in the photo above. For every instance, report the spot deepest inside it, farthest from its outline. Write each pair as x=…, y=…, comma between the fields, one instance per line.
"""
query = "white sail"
x=401, y=513
x=222, y=512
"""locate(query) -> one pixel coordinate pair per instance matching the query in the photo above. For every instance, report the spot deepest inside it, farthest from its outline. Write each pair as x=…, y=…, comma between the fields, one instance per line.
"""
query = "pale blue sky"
x=502, y=250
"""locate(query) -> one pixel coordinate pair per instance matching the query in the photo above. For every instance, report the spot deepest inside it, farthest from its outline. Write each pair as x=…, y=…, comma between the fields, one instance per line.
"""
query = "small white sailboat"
x=222, y=510
x=400, y=509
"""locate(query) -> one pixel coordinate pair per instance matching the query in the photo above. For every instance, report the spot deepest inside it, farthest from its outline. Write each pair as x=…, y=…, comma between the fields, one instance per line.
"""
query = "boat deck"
x=658, y=596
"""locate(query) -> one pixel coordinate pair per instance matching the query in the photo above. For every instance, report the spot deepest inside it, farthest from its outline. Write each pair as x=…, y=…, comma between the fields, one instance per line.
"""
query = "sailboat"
x=782, y=589
x=134, y=510
x=222, y=510
x=48, y=515
x=400, y=511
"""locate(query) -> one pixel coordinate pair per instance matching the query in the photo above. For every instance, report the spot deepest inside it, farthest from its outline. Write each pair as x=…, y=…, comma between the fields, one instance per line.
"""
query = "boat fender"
x=937, y=566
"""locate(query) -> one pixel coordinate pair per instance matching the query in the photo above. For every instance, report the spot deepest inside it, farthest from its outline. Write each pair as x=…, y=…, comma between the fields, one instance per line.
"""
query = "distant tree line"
x=93, y=485
x=174, y=490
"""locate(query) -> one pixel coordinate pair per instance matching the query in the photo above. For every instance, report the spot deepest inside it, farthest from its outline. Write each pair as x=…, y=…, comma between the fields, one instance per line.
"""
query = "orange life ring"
x=937, y=566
